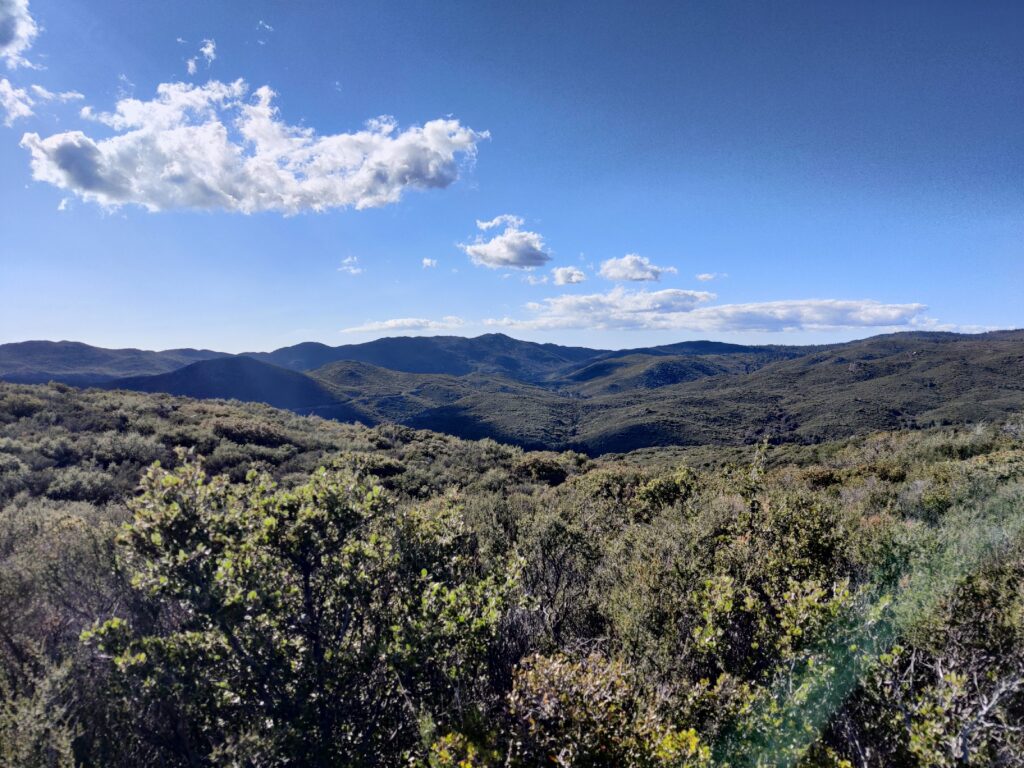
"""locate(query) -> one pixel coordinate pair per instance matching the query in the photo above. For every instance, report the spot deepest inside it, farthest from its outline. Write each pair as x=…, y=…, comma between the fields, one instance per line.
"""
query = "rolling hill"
x=492, y=353
x=71, y=362
x=242, y=378
x=545, y=396
x=886, y=382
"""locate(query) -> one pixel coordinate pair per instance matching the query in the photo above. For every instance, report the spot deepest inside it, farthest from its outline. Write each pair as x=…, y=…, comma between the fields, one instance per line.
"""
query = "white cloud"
x=934, y=324
x=535, y=279
x=17, y=31
x=210, y=147
x=407, y=324
x=125, y=87
x=261, y=24
x=515, y=248
x=705, y=277
x=633, y=267
x=618, y=308
x=809, y=314
x=568, y=275
x=63, y=96
x=429, y=263
x=208, y=51
x=350, y=265
x=16, y=103
x=686, y=310
x=505, y=219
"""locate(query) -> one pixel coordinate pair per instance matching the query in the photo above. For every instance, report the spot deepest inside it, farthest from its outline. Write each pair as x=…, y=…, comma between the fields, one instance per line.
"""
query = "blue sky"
x=219, y=174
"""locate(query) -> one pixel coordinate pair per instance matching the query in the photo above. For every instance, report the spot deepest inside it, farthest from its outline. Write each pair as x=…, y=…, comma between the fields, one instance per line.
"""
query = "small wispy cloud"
x=706, y=277
x=125, y=87
x=447, y=323
x=429, y=263
x=350, y=266
x=261, y=24
x=208, y=51
x=505, y=219
x=63, y=96
x=634, y=268
x=15, y=102
x=568, y=275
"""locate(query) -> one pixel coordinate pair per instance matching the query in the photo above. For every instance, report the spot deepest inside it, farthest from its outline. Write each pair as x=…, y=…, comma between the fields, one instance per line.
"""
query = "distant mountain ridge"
x=493, y=353
x=598, y=401
x=72, y=362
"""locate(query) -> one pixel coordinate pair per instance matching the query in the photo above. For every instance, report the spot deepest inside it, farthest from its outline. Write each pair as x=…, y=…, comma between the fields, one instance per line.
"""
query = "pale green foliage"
x=35, y=723
x=316, y=623
x=593, y=712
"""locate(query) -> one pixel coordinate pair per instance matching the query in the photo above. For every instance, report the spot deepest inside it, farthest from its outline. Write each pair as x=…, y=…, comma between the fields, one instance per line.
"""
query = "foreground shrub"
x=317, y=626
x=593, y=712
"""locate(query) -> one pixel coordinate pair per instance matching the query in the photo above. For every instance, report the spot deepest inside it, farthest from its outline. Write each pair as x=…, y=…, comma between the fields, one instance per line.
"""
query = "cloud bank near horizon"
x=447, y=323
x=674, y=309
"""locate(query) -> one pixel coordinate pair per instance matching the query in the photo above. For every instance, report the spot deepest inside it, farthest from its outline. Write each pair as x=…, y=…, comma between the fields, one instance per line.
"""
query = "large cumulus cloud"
x=17, y=31
x=215, y=147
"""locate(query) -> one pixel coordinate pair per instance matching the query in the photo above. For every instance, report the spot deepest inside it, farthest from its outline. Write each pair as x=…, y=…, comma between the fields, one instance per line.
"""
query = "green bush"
x=326, y=594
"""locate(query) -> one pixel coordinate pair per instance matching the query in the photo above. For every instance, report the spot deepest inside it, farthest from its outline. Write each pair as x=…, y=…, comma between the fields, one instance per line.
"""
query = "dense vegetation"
x=544, y=397
x=322, y=594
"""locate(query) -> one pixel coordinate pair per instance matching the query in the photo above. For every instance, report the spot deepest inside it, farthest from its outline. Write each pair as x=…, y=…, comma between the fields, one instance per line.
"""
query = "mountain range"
x=597, y=401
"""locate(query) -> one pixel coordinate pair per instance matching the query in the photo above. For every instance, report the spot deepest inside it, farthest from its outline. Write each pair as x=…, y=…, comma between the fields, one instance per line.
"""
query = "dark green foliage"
x=326, y=594
x=248, y=380
x=693, y=394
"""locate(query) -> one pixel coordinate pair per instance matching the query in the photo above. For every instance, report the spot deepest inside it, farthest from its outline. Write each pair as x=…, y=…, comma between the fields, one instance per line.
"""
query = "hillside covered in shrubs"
x=550, y=397
x=189, y=583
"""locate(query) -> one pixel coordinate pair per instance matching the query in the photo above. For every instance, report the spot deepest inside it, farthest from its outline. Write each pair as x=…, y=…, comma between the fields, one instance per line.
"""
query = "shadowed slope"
x=241, y=378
